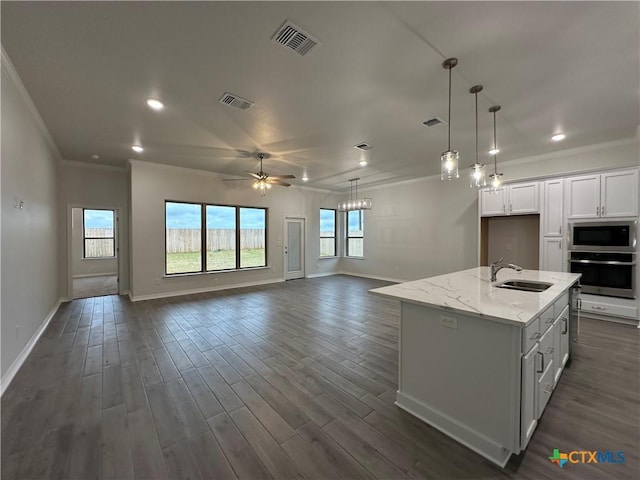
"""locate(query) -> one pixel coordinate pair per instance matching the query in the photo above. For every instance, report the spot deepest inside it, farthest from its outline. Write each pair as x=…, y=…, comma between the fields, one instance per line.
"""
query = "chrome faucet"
x=495, y=267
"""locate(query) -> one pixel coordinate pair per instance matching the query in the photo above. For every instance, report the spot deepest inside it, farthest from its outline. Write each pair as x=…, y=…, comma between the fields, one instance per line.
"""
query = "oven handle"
x=602, y=262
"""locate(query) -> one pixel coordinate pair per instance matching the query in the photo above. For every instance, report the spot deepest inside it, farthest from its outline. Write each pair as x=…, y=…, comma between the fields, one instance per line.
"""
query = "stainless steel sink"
x=524, y=285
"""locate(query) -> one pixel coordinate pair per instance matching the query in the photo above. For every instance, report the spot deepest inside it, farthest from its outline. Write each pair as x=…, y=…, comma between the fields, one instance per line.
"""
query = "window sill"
x=197, y=274
x=353, y=258
x=328, y=257
x=99, y=258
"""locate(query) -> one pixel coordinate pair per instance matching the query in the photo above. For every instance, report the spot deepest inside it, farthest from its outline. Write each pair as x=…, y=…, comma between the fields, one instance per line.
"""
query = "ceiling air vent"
x=295, y=38
x=432, y=122
x=363, y=146
x=236, y=101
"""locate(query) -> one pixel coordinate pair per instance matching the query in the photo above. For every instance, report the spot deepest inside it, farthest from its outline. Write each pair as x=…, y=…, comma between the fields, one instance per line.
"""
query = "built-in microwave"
x=612, y=236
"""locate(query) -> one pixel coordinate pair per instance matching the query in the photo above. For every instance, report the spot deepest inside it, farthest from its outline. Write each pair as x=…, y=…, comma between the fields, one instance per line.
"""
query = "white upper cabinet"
x=552, y=255
x=619, y=194
x=493, y=203
x=609, y=195
x=517, y=199
x=552, y=208
x=523, y=198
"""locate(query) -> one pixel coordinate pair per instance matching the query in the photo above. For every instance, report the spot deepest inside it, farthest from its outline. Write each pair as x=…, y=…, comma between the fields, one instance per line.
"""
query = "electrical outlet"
x=449, y=322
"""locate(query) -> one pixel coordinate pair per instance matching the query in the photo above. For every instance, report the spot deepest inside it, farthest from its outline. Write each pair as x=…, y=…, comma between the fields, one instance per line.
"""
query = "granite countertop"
x=470, y=292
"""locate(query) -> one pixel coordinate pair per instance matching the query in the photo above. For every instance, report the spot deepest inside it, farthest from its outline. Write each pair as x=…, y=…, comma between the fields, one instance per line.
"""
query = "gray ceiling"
x=376, y=75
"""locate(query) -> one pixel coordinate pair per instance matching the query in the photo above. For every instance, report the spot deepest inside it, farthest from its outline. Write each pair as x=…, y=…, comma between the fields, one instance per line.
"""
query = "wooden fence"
x=101, y=246
x=181, y=240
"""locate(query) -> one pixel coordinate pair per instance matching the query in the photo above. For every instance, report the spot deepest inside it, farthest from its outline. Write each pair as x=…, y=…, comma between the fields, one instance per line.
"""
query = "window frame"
x=348, y=236
x=85, y=238
x=335, y=233
x=203, y=238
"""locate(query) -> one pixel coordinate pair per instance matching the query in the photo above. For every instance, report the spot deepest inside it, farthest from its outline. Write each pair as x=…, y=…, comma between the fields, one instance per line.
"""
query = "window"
x=183, y=237
x=327, y=232
x=99, y=233
x=355, y=233
x=234, y=237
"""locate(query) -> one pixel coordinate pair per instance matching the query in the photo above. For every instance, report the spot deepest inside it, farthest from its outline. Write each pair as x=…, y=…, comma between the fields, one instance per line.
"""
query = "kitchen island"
x=477, y=361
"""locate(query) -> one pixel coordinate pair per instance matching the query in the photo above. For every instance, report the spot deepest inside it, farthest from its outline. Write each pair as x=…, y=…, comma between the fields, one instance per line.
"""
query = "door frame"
x=70, y=207
x=303, y=243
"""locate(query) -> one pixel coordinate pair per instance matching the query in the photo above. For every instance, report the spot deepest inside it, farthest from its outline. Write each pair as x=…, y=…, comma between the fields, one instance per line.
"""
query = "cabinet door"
x=528, y=410
x=583, y=196
x=492, y=203
x=552, y=258
x=558, y=327
x=563, y=320
x=523, y=198
x=619, y=194
x=552, y=208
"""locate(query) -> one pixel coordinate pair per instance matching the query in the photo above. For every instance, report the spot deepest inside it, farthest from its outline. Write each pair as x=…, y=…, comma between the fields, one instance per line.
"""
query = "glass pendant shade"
x=449, y=165
x=477, y=177
x=496, y=181
x=355, y=203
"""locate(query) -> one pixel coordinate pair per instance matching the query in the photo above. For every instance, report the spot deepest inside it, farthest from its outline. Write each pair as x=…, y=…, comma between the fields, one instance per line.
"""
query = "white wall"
x=91, y=186
x=29, y=235
x=428, y=227
x=85, y=267
x=152, y=184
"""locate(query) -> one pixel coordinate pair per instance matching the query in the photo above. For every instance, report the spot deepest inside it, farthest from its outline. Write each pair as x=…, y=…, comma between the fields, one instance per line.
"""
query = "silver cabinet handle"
x=504, y=208
x=566, y=325
x=560, y=230
x=542, y=367
x=549, y=350
x=602, y=211
x=595, y=307
x=579, y=304
x=560, y=245
x=535, y=336
x=598, y=211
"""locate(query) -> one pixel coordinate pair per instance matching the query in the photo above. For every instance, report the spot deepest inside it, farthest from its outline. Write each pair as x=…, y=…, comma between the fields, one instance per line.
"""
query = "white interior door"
x=294, y=248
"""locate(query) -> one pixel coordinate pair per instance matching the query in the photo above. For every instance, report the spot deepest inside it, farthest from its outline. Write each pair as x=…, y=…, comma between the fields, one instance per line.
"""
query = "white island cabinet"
x=479, y=362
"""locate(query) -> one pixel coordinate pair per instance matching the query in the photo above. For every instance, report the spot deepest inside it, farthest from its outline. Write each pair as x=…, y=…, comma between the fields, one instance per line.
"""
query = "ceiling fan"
x=262, y=181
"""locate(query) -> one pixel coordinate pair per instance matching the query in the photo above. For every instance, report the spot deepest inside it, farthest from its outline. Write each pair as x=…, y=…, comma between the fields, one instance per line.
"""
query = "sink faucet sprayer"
x=497, y=266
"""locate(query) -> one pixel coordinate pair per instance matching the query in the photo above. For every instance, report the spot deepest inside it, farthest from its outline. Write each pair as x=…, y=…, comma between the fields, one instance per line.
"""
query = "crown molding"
x=11, y=75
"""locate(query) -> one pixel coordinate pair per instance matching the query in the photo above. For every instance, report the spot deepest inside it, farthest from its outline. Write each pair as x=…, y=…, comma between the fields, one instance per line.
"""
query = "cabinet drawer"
x=604, y=308
x=560, y=304
x=546, y=347
x=547, y=318
x=530, y=335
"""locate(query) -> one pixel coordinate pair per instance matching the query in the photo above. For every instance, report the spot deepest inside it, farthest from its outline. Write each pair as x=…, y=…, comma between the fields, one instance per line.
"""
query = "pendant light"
x=449, y=159
x=354, y=203
x=496, y=178
x=477, y=178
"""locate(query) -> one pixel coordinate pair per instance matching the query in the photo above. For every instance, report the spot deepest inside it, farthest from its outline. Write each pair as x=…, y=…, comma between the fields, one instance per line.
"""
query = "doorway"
x=93, y=261
x=294, y=241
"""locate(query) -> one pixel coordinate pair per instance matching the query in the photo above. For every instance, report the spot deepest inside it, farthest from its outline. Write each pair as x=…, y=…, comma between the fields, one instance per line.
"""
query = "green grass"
x=222, y=259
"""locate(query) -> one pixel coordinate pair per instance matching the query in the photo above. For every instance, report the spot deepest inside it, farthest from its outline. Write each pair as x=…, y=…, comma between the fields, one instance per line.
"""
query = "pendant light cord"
x=449, y=134
x=476, y=95
x=495, y=155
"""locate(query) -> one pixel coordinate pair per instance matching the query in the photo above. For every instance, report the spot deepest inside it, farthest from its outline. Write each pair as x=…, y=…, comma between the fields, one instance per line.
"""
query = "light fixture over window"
x=496, y=178
x=354, y=203
x=477, y=178
x=449, y=159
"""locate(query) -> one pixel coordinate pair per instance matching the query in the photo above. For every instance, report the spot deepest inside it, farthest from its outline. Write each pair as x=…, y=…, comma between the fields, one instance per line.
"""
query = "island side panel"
x=462, y=375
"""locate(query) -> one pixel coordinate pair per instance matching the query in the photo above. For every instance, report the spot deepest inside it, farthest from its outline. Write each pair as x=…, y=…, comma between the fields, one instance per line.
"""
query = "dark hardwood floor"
x=293, y=380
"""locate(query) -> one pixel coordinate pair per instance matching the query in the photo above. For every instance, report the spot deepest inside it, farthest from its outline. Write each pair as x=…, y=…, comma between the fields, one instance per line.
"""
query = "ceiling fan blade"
x=278, y=182
x=254, y=175
x=280, y=177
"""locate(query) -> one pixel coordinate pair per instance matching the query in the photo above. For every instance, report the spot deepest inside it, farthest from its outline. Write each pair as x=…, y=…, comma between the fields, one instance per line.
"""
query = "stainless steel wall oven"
x=605, y=254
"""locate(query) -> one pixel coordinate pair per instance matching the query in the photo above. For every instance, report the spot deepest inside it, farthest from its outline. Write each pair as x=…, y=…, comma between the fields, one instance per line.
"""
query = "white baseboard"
x=177, y=293
x=322, y=274
x=374, y=277
x=17, y=363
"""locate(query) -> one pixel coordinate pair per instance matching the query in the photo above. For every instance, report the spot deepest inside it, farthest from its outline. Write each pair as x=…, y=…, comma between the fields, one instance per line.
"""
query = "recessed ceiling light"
x=137, y=148
x=362, y=163
x=95, y=157
x=305, y=178
x=155, y=104
x=558, y=137
x=494, y=151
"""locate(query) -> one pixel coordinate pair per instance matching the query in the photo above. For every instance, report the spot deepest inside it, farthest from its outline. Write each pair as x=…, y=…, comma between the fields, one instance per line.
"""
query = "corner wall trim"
x=20, y=359
x=178, y=293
